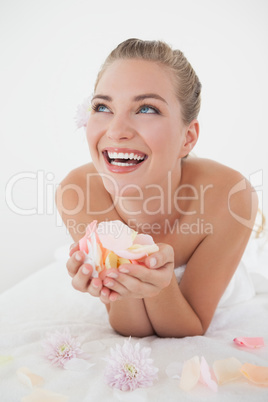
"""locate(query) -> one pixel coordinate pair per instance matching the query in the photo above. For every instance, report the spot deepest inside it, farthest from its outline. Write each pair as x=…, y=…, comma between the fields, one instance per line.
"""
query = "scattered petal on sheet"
x=227, y=370
x=28, y=378
x=205, y=375
x=190, y=374
x=139, y=395
x=5, y=359
x=93, y=346
x=174, y=370
x=249, y=342
x=42, y=395
x=256, y=374
x=78, y=365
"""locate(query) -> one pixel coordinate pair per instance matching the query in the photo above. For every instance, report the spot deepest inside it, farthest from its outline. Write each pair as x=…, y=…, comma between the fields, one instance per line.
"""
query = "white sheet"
x=46, y=302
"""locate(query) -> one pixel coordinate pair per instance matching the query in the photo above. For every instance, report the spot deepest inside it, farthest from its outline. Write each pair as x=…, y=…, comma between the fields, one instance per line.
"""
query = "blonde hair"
x=187, y=84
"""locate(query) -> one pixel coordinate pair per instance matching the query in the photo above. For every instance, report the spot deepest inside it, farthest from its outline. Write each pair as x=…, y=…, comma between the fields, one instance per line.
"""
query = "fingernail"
x=112, y=275
x=85, y=270
x=95, y=285
x=124, y=270
x=78, y=257
x=153, y=262
x=109, y=284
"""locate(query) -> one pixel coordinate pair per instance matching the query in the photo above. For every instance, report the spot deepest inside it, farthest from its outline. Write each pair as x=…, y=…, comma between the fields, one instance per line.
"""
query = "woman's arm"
x=187, y=309
x=165, y=307
x=129, y=317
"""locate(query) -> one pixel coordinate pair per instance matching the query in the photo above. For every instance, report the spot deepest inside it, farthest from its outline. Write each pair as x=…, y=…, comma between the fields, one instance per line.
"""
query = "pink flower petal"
x=190, y=374
x=205, y=375
x=249, y=342
x=227, y=370
x=137, y=252
x=91, y=228
x=143, y=239
x=115, y=235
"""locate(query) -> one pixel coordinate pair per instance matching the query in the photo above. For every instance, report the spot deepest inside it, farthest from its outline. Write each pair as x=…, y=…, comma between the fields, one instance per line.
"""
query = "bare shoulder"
x=78, y=175
x=82, y=197
x=71, y=191
x=229, y=202
x=210, y=170
x=229, y=191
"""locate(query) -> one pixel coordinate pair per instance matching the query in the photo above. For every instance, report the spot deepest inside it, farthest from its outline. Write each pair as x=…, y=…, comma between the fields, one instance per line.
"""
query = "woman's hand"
x=141, y=281
x=82, y=275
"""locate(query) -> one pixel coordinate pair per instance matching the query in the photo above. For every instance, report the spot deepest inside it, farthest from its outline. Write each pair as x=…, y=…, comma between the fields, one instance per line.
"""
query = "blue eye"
x=147, y=110
x=98, y=107
x=102, y=108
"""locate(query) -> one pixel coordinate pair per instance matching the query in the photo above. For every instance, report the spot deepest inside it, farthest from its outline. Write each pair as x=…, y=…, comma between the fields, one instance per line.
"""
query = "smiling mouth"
x=124, y=158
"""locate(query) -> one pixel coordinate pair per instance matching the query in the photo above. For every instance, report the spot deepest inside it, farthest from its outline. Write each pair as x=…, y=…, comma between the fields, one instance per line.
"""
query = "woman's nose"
x=120, y=129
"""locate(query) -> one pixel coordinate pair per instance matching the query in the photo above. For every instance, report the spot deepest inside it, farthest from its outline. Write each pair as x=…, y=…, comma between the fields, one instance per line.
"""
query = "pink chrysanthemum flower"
x=129, y=367
x=61, y=347
x=82, y=113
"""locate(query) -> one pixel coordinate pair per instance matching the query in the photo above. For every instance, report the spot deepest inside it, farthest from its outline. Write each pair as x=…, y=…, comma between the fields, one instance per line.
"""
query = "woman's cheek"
x=92, y=134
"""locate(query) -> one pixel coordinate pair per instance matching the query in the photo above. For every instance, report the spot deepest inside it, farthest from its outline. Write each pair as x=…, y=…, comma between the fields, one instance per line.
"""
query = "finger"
x=160, y=258
x=137, y=271
x=104, y=295
x=82, y=279
x=115, y=289
x=95, y=287
x=73, y=248
x=74, y=262
x=114, y=296
x=127, y=285
x=151, y=277
x=114, y=286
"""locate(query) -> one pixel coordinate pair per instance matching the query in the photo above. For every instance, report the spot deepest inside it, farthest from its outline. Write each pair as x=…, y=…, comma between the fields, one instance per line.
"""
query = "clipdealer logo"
x=43, y=189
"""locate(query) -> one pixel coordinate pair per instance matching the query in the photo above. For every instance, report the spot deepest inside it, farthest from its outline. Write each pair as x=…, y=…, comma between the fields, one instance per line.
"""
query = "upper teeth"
x=122, y=155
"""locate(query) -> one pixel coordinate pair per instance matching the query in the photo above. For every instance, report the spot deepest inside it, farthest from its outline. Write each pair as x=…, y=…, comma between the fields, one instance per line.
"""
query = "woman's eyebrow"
x=151, y=95
x=104, y=97
x=136, y=98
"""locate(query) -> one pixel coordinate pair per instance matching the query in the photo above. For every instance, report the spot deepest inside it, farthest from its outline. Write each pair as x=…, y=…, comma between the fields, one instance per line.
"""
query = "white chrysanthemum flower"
x=60, y=347
x=82, y=113
x=129, y=367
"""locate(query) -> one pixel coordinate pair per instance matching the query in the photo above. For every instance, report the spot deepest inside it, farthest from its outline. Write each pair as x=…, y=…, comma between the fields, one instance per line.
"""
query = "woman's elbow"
x=127, y=329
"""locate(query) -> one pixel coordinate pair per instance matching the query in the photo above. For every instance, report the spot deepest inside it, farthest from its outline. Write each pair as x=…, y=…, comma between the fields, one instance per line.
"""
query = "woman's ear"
x=190, y=139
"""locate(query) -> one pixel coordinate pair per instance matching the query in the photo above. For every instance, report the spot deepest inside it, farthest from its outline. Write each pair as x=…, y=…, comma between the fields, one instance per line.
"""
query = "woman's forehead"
x=145, y=75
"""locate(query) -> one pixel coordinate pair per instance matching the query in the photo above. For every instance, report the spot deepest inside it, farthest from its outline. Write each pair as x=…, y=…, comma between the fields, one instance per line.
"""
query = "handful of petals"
x=112, y=243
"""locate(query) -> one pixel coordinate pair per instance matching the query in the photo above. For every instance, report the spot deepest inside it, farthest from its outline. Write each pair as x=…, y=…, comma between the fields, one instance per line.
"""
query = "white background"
x=50, y=54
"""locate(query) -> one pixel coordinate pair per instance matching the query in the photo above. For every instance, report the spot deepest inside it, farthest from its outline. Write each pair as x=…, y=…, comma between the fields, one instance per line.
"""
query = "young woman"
x=142, y=126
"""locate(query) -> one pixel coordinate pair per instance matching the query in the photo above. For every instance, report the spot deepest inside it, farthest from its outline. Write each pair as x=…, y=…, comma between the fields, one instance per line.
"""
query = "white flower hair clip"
x=82, y=113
